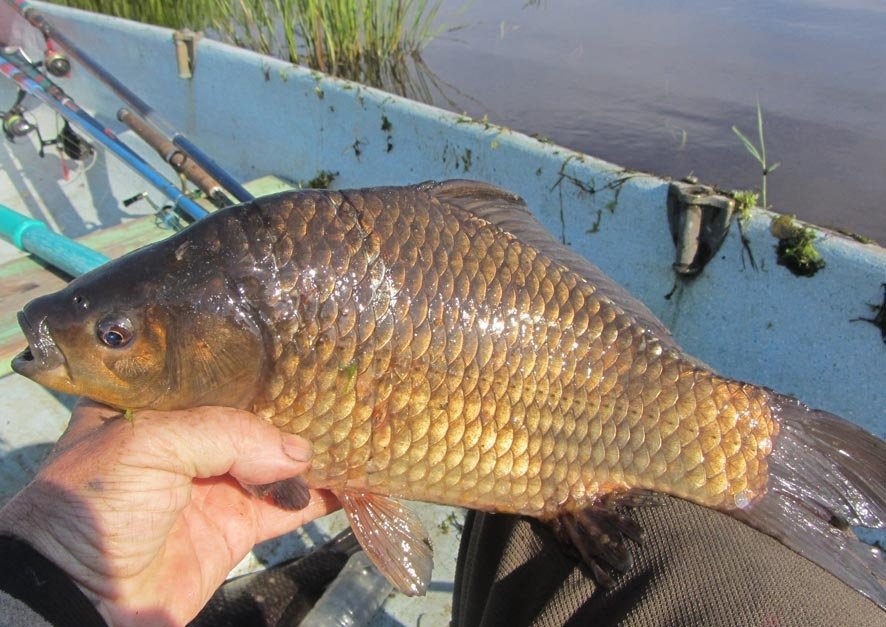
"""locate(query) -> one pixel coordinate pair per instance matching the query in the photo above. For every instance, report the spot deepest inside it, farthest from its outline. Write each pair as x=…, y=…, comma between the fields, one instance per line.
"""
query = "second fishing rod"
x=18, y=68
x=38, y=20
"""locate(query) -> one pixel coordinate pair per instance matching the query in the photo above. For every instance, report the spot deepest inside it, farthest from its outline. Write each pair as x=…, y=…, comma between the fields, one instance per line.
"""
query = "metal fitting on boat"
x=699, y=220
x=186, y=51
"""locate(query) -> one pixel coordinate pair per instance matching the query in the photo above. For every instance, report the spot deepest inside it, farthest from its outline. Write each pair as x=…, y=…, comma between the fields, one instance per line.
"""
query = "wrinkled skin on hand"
x=148, y=517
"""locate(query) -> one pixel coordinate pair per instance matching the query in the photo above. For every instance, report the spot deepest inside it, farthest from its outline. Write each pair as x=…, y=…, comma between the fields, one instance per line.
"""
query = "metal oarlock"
x=699, y=220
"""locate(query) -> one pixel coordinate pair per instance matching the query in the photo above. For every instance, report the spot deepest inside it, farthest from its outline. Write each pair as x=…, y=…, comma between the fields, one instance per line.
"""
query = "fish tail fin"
x=826, y=476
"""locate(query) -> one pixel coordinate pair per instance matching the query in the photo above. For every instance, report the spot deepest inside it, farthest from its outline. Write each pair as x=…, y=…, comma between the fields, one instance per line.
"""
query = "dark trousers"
x=696, y=567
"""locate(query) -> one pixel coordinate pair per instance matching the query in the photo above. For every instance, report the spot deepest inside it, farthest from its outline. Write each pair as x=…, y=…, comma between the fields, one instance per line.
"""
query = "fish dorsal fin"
x=508, y=212
x=393, y=537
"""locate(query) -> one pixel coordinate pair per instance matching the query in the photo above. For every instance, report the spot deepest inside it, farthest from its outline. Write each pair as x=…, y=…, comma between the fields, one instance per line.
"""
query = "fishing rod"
x=16, y=66
x=39, y=21
x=178, y=159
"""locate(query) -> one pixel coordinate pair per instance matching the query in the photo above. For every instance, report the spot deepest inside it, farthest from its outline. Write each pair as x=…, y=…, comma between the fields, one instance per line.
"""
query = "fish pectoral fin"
x=393, y=537
x=289, y=494
x=599, y=533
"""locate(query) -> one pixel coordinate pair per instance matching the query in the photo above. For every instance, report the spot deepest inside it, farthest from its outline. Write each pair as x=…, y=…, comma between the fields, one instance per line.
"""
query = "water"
x=655, y=85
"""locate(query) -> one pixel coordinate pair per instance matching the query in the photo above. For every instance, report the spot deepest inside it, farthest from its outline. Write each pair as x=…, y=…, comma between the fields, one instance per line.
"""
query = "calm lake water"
x=656, y=85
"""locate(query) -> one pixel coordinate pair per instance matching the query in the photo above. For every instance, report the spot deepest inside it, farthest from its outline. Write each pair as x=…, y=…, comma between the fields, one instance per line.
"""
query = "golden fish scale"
x=429, y=355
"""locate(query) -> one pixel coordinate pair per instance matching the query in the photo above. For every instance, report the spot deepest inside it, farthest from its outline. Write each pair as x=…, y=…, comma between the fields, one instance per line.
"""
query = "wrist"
x=29, y=518
x=27, y=577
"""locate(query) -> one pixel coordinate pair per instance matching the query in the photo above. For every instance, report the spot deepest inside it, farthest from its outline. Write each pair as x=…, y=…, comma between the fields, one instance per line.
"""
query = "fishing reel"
x=73, y=144
x=15, y=124
x=70, y=144
x=54, y=61
x=165, y=217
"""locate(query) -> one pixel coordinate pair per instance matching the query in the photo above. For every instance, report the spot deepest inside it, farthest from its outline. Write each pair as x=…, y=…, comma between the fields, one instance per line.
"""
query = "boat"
x=717, y=275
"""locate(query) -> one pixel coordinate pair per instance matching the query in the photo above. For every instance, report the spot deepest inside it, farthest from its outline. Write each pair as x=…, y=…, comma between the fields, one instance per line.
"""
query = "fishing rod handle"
x=228, y=182
x=175, y=157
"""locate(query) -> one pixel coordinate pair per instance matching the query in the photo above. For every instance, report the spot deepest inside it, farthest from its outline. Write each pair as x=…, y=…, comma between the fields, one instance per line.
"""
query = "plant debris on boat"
x=795, y=249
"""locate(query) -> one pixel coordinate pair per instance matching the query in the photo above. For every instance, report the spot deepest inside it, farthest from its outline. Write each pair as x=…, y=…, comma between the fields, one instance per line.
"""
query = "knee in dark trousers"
x=696, y=567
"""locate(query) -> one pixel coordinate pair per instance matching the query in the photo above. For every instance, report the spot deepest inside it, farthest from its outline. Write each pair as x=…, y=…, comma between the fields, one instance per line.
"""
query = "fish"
x=435, y=343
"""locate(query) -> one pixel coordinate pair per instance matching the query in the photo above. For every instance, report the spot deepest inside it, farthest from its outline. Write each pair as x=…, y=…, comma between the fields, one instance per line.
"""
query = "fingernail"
x=297, y=448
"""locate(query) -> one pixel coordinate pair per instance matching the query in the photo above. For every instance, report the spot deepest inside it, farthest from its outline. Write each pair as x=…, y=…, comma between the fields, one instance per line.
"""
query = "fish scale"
x=488, y=376
x=435, y=343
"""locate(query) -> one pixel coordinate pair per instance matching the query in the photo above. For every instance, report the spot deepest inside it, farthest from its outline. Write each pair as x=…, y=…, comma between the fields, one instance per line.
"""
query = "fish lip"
x=42, y=354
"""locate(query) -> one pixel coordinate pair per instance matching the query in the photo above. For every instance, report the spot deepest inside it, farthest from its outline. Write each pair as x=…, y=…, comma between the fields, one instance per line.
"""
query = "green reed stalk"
x=345, y=37
x=758, y=153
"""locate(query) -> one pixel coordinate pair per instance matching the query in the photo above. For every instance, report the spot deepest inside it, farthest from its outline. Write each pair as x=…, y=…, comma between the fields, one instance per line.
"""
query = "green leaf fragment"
x=349, y=370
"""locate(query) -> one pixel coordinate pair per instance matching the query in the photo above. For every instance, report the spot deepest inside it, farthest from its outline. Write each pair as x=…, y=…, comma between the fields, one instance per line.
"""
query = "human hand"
x=147, y=516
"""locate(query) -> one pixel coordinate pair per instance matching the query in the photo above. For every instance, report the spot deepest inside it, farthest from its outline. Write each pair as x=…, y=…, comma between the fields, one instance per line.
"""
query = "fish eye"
x=115, y=332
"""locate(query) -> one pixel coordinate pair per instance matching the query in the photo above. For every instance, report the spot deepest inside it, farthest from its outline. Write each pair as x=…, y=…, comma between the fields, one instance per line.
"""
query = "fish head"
x=86, y=342
x=145, y=331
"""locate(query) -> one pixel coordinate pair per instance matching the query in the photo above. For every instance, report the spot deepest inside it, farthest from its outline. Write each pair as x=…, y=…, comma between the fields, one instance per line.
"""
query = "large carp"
x=434, y=342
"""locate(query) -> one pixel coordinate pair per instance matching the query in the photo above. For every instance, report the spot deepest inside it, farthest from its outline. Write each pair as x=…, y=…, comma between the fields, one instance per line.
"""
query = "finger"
x=213, y=441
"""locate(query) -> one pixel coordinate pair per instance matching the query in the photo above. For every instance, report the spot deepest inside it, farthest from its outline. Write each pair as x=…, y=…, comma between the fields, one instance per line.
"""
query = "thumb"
x=212, y=441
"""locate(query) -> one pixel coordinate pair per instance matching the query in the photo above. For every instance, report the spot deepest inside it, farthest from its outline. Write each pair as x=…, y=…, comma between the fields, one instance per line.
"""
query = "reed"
x=350, y=38
x=168, y=13
x=758, y=152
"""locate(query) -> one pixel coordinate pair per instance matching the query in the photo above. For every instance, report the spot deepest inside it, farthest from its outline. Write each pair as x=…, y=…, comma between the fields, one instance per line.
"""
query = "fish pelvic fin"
x=826, y=475
x=393, y=537
x=599, y=533
x=289, y=493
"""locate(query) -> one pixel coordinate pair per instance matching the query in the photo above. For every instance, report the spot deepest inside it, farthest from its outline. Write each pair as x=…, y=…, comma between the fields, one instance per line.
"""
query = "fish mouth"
x=42, y=356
